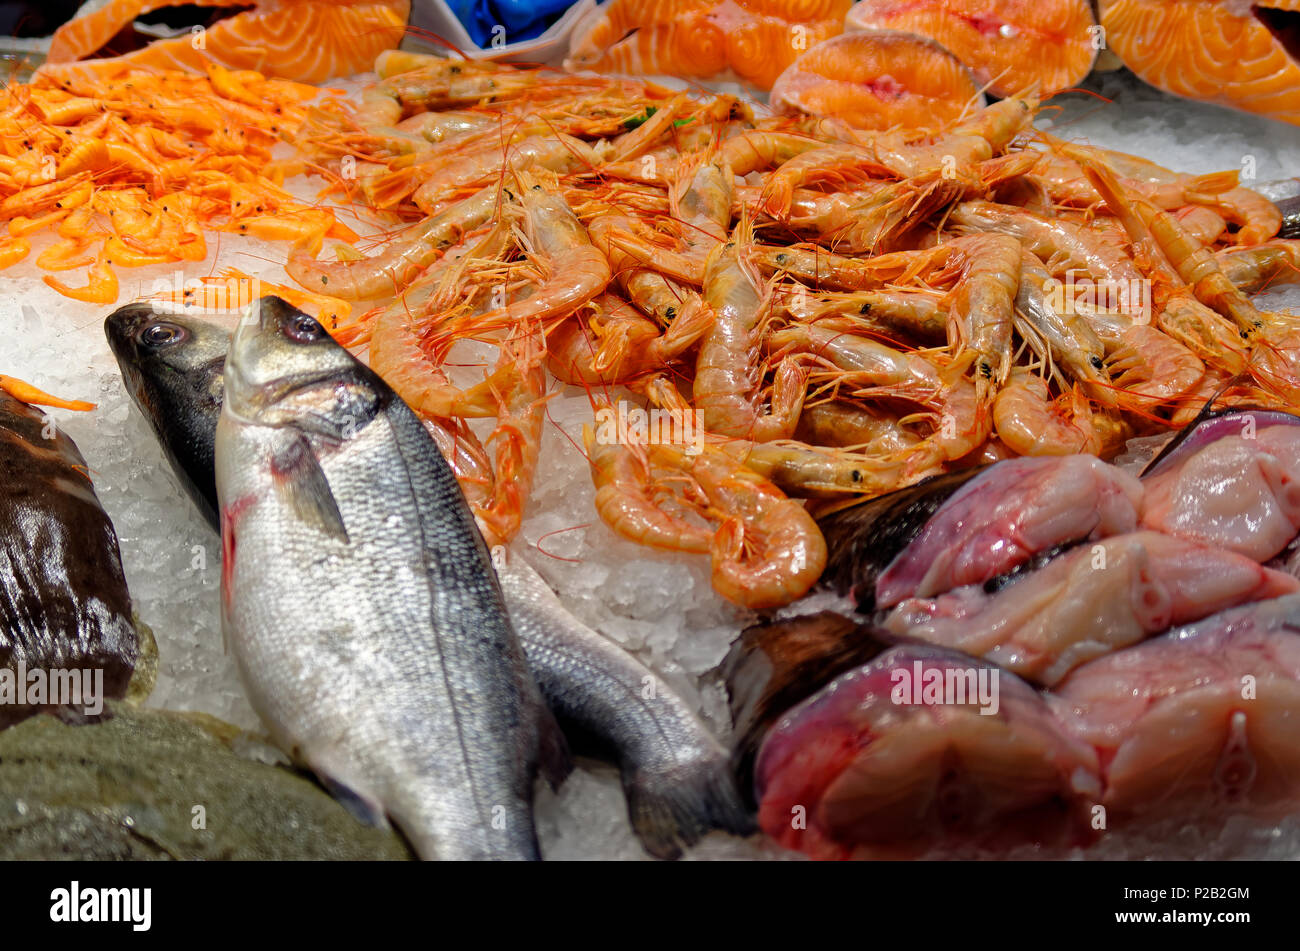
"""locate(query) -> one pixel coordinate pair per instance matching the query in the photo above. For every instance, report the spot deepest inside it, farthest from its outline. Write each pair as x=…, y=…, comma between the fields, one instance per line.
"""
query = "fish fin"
x=299, y=476
x=673, y=809
x=553, y=757
x=362, y=807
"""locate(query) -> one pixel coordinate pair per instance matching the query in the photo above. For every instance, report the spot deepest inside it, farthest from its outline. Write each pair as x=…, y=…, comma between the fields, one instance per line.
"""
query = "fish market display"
x=949, y=452
x=1239, y=55
x=676, y=774
x=360, y=601
x=65, y=613
x=306, y=40
x=1010, y=45
x=702, y=39
x=832, y=311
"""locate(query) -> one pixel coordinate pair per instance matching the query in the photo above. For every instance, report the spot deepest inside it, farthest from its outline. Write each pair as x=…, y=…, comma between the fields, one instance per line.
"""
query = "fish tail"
x=673, y=809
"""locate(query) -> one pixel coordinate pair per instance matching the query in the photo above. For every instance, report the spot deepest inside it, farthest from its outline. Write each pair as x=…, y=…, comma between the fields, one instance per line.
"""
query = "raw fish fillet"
x=1011, y=512
x=1240, y=493
x=1229, y=52
x=1203, y=718
x=306, y=40
x=850, y=773
x=878, y=80
x=1010, y=45
x=699, y=39
x=1088, y=602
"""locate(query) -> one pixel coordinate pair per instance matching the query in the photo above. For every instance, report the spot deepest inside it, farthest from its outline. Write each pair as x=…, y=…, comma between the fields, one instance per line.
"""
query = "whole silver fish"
x=676, y=775
x=360, y=600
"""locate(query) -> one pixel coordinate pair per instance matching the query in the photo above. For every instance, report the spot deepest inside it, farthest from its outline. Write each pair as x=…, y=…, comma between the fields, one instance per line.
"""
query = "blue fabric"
x=522, y=19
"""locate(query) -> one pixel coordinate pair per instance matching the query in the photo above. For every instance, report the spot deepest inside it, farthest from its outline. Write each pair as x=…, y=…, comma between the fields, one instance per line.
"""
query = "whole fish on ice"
x=674, y=771
x=172, y=367
x=360, y=601
x=64, y=604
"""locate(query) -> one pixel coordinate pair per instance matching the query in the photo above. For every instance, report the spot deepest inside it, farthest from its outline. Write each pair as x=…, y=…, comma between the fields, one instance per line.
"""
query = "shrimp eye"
x=1097, y=363
x=162, y=334
x=857, y=476
x=303, y=329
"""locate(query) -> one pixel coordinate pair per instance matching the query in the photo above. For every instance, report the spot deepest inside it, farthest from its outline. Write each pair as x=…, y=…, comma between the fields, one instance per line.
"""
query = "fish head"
x=284, y=369
x=163, y=356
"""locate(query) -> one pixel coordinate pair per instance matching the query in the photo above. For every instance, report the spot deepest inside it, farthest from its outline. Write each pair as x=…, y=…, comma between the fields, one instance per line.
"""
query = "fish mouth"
x=247, y=392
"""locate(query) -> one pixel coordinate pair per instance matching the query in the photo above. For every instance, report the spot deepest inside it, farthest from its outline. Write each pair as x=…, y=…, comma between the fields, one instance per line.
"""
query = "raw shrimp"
x=844, y=424
x=728, y=370
x=1031, y=424
x=982, y=305
x=574, y=271
x=888, y=373
x=1069, y=336
x=616, y=344
x=1254, y=269
x=1065, y=244
x=390, y=271
x=628, y=503
x=916, y=313
x=767, y=551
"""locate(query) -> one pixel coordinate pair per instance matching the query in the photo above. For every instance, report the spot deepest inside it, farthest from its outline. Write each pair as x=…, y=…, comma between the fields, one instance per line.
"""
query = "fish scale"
x=361, y=605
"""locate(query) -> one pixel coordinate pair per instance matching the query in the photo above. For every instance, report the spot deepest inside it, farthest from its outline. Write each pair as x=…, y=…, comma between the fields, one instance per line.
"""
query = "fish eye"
x=304, y=329
x=162, y=334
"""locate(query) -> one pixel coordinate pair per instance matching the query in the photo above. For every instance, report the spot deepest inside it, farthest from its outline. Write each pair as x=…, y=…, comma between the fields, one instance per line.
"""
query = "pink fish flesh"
x=1240, y=492
x=1011, y=512
x=886, y=761
x=1087, y=602
x=1199, y=720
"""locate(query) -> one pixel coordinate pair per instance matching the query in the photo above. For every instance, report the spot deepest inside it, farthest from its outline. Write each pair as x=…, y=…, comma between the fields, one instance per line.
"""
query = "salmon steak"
x=702, y=39
x=1242, y=55
x=308, y=41
x=1010, y=45
x=877, y=80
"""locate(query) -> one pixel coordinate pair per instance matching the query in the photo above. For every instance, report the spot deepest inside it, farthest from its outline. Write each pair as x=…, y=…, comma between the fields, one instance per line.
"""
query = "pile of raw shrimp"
x=813, y=313
x=130, y=170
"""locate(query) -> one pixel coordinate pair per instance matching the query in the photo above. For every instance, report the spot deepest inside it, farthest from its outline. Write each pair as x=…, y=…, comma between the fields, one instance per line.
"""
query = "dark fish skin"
x=676, y=775
x=172, y=367
x=774, y=666
x=863, y=539
x=64, y=603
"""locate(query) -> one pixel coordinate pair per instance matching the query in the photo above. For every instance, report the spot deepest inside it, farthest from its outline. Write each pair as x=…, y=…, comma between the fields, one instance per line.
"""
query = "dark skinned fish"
x=173, y=367
x=64, y=604
x=360, y=601
x=675, y=773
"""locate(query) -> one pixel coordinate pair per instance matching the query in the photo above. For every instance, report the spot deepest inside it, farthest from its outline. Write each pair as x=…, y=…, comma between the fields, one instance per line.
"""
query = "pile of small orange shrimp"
x=130, y=171
x=803, y=312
